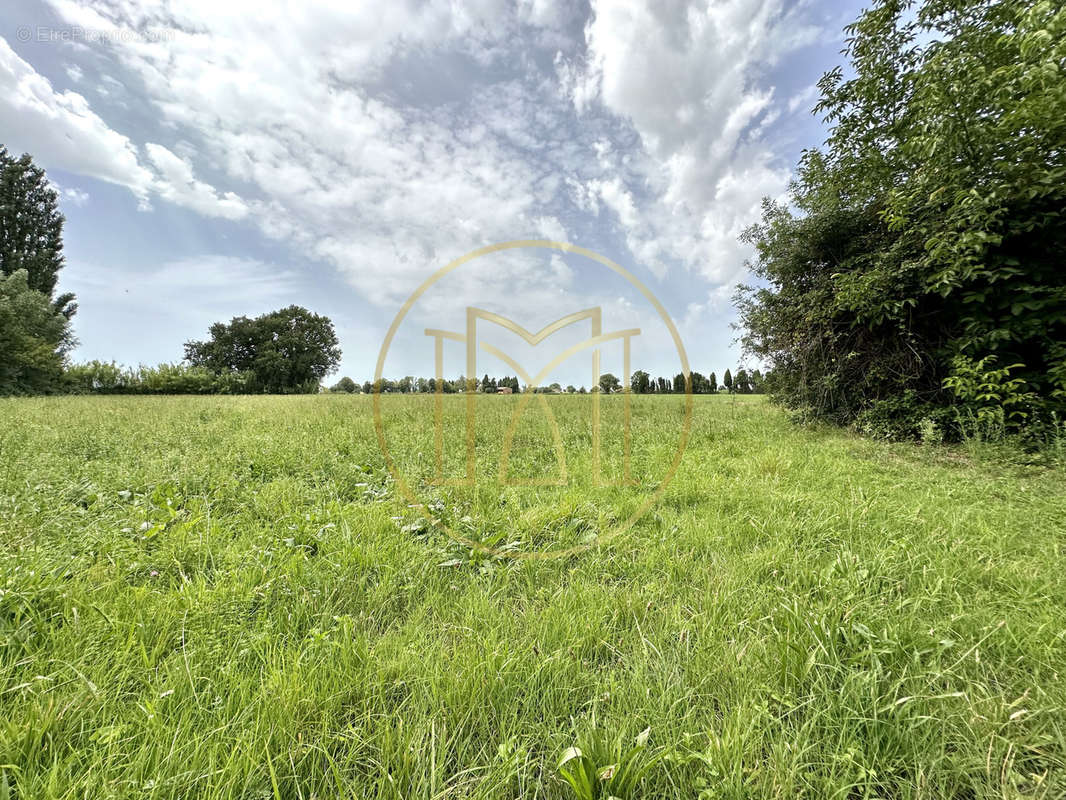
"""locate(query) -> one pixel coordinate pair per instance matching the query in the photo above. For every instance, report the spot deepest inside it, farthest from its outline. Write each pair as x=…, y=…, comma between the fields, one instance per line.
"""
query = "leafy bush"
x=97, y=377
x=922, y=271
x=34, y=338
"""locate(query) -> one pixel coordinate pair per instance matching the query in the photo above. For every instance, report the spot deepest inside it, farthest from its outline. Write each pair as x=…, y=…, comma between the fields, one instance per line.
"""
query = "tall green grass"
x=227, y=597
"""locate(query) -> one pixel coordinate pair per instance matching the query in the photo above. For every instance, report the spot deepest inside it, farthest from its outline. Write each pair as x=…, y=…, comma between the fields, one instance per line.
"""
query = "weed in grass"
x=600, y=768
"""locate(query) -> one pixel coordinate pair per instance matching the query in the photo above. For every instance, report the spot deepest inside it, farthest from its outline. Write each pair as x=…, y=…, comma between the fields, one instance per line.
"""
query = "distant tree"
x=756, y=381
x=609, y=383
x=34, y=338
x=570, y=389
x=368, y=387
x=664, y=385
x=699, y=383
x=740, y=382
x=712, y=383
x=287, y=351
x=345, y=384
x=640, y=382
x=582, y=390
x=679, y=383
x=727, y=381
x=31, y=228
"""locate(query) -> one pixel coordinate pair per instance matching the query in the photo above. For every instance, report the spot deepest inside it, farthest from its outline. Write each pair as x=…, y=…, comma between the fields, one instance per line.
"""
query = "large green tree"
x=918, y=272
x=34, y=338
x=31, y=228
x=288, y=351
x=34, y=325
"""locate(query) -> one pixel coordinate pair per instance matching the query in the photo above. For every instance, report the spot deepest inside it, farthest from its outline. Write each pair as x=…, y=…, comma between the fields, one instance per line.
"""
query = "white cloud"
x=76, y=197
x=180, y=186
x=804, y=101
x=311, y=126
x=686, y=74
x=280, y=106
x=60, y=128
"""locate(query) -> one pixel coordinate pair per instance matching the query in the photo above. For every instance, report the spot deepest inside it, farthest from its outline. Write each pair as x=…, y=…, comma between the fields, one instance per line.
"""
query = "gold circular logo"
x=532, y=338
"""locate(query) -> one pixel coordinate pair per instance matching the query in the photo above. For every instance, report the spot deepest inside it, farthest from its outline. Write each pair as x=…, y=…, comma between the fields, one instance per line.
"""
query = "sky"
x=216, y=159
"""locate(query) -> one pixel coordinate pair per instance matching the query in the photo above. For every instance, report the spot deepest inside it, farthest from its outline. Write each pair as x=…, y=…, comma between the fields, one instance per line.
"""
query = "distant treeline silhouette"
x=743, y=382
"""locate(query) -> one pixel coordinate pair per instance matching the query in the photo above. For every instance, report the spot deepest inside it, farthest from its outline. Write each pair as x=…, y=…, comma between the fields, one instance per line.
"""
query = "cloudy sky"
x=224, y=158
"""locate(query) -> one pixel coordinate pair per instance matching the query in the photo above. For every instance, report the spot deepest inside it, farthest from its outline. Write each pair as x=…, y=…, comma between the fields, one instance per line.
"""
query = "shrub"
x=97, y=377
x=918, y=265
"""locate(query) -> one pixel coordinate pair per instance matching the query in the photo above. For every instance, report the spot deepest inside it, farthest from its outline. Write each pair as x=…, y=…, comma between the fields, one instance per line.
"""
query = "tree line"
x=744, y=382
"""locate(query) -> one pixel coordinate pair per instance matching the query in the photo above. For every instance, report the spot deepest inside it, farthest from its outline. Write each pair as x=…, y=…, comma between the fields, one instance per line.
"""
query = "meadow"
x=229, y=597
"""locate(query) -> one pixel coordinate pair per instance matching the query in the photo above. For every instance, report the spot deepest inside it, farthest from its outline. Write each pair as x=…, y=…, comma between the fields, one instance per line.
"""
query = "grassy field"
x=229, y=597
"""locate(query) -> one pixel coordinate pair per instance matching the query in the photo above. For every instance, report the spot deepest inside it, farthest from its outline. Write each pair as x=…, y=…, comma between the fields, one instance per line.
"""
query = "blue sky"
x=224, y=158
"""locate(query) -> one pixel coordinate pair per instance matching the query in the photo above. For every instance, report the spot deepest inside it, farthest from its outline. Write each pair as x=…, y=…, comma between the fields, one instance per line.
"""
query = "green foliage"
x=640, y=383
x=34, y=330
x=599, y=768
x=34, y=338
x=609, y=383
x=98, y=377
x=31, y=228
x=990, y=393
x=741, y=383
x=931, y=229
x=288, y=351
x=345, y=385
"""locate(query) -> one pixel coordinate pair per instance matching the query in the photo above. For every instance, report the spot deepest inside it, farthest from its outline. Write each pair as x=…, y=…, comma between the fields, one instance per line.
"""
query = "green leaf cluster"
x=286, y=351
x=927, y=238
